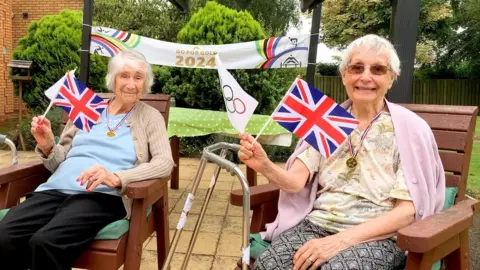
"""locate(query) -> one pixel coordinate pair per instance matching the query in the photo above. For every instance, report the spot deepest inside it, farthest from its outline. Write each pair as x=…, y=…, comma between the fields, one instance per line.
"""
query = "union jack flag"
x=83, y=106
x=311, y=115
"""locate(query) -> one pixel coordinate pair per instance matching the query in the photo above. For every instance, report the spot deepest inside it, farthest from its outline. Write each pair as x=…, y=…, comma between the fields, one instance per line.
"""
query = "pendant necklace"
x=352, y=161
x=111, y=131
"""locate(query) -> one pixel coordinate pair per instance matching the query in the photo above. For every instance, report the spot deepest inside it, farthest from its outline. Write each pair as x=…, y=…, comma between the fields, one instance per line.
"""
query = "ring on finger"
x=310, y=261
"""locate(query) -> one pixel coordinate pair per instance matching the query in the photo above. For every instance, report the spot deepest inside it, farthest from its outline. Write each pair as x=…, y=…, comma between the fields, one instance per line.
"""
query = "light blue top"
x=88, y=149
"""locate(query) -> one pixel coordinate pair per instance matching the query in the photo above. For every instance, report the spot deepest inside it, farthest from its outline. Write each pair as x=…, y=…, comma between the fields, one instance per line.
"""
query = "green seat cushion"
x=437, y=265
x=450, y=195
x=257, y=245
x=3, y=212
x=112, y=231
x=116, y=229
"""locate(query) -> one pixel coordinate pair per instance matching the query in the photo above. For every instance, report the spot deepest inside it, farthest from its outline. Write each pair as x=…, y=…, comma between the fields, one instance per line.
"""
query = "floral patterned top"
x=353, y=196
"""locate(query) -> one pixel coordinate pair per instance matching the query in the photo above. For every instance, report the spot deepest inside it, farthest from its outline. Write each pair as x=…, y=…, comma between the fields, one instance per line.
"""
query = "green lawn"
x=474, y=170
x=477, y=128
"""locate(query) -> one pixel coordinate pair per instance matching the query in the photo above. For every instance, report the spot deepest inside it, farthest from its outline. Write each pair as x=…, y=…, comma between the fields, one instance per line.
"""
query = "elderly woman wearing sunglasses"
x=343, y=212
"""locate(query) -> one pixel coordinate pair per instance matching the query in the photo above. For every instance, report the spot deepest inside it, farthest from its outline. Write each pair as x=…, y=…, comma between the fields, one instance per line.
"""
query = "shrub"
x=53, y=45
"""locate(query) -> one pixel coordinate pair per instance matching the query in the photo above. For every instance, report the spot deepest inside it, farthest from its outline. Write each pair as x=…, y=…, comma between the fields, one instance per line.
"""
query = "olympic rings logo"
x=233, y=104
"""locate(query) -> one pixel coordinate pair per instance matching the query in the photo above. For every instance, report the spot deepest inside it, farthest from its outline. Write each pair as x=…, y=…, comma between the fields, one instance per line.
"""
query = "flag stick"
x=48, y=108
x=51, y=103
x=46, y=111
x=264, y=126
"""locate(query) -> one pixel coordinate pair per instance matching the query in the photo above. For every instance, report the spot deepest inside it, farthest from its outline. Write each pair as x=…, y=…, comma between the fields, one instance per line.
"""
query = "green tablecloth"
x=185, y=122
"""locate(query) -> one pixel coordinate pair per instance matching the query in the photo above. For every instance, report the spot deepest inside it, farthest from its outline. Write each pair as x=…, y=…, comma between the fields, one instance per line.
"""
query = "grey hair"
x=128, y=58
x=372, y=43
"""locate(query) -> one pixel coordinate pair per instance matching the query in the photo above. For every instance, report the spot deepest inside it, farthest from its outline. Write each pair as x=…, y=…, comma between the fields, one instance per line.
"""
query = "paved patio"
x=218, y=244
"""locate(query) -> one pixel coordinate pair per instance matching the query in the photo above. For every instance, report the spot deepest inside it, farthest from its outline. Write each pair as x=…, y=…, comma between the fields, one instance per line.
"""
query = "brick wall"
x=15, y=15
x=5, y=52
x=36, y=9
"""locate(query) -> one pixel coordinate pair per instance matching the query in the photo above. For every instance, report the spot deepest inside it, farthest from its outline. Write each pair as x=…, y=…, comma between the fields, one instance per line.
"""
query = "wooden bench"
x=18, y=180
x=444, y=235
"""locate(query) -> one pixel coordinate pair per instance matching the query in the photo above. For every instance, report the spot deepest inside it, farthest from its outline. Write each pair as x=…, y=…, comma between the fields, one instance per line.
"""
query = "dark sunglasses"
x=375, y=69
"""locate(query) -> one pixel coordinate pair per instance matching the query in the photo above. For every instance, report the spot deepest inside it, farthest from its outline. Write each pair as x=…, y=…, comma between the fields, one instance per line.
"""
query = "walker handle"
x=222, y=162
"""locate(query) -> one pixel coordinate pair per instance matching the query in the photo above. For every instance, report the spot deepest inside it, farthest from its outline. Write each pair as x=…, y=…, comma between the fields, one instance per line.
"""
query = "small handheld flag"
x=83, y=106
x=313, y=116
x=239, y=105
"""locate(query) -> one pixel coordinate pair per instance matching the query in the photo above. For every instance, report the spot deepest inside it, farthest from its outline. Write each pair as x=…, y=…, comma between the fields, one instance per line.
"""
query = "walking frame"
x=222, y=163
x=13, y=148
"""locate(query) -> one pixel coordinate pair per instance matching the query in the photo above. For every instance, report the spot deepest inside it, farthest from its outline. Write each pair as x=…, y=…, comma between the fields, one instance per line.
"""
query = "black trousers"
x=50, y=229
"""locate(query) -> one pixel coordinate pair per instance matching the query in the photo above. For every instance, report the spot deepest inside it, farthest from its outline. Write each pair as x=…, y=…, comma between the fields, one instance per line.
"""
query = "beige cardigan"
x=154, y=156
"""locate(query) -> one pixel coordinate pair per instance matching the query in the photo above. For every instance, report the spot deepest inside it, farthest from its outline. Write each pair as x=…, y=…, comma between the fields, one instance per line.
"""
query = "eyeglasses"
x=374, y=69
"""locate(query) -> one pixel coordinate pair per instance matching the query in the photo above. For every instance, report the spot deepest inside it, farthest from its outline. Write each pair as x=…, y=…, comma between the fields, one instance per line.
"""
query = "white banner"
x=275, y=52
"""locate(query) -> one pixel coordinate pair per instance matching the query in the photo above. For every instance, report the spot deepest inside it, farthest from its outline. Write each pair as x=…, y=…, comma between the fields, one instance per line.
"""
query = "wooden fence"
x=434, y=91
x=332, y=86
x=450, y=92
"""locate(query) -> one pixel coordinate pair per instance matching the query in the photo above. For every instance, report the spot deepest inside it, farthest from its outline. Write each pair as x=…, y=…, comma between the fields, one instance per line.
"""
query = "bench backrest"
x=160, y=102
x=454, y=129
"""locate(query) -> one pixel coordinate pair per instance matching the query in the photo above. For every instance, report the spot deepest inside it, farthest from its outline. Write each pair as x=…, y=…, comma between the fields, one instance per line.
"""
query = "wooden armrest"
x=21, y=171
x=258, y=195
x=144, y=189
x=426, y=234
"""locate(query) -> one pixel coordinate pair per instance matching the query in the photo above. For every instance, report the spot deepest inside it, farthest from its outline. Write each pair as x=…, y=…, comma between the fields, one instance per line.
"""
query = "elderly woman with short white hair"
x=91, y=171
x=343, y=212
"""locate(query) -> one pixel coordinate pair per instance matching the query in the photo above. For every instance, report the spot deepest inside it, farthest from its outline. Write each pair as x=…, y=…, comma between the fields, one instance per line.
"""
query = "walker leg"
x=246, y=218
x=213, y=182
x=184, y=215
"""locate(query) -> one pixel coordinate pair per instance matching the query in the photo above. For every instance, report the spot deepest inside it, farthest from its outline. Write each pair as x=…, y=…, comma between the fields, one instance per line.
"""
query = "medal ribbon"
x=121, y=121
x=364, y=135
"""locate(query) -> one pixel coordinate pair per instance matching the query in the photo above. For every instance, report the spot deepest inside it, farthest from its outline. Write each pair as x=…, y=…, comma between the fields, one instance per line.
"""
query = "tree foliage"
x=276, y=16
x=327, y=69
x=199, y=88
x=145, y=17
x=155, y=19
x=53, y=45
x=464, y=48
x=217, y=24
x=345, y=20
x=458, y=48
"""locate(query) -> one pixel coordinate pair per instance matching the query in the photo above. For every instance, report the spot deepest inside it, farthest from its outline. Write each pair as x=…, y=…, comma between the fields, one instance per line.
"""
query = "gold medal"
x=111, y=132
x=351, y=163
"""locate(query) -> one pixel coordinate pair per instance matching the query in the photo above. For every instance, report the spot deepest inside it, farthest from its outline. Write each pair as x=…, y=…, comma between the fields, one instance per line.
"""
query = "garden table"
x=185, y=122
